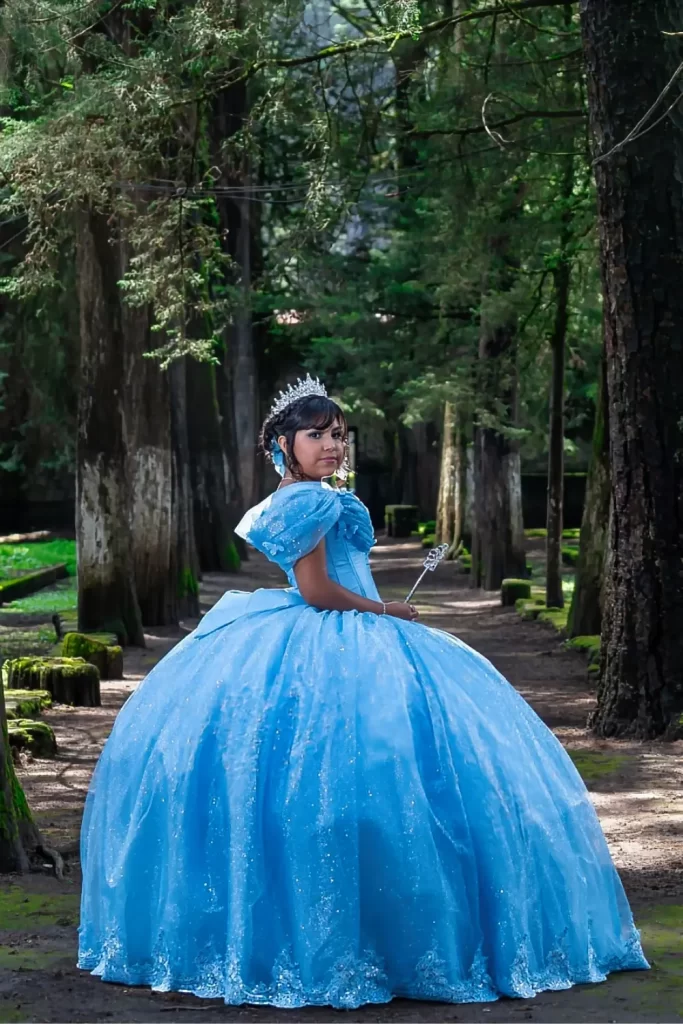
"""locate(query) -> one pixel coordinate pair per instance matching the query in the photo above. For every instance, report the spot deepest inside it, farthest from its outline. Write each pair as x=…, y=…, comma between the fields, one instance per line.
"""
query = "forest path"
x=637, y=790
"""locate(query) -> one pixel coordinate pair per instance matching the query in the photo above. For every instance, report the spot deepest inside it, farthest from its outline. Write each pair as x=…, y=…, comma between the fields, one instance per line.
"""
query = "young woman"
x=314, y=799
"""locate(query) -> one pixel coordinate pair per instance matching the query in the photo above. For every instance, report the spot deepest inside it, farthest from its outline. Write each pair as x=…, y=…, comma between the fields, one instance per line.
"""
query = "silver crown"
x=302, y=389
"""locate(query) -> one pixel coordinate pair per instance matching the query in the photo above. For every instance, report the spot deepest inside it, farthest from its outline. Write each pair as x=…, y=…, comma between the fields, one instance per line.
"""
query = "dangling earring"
x=278, y=457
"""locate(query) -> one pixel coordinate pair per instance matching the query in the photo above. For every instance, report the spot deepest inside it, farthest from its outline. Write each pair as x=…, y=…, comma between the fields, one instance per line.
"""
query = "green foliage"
x=63, y=597
x=16, y=558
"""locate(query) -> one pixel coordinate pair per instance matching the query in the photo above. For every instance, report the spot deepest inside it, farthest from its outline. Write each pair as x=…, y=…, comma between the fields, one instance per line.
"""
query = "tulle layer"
x=305, y=808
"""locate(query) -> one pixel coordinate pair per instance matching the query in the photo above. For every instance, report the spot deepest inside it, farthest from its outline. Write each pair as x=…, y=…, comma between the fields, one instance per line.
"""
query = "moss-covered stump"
x=69, y=680
x=30, y=582
x=107, y=658
x=111, y=633
x=555, y=617
x=26, y=703
x=512, y=591
x=401, y=520
x=530, y=608
x=36, y=737
x=588, y=645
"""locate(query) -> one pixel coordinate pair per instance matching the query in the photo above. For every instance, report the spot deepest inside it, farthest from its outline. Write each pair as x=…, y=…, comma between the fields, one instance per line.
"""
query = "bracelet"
x=384, y=608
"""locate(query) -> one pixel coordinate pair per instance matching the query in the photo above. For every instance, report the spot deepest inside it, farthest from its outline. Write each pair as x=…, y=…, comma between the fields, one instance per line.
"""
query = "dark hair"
x=304, y=414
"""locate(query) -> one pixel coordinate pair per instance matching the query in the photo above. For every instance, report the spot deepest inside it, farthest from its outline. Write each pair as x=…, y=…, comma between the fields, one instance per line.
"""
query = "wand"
x=430, y=563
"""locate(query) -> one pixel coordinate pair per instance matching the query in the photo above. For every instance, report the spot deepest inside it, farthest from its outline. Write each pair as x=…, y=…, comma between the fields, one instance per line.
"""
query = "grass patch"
x=62, y=597
x=25, y=911
x=20, y=558
x=593, y=764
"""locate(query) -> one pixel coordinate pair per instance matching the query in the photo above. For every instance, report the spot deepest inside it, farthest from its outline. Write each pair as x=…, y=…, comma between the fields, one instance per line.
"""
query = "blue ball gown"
x=303, y=807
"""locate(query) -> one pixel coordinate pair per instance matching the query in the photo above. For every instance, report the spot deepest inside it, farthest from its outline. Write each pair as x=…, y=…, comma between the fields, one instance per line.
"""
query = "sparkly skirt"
x=304, y=808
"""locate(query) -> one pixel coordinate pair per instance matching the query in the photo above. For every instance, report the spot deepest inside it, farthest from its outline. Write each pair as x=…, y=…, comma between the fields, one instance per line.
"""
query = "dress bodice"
x=291, y=522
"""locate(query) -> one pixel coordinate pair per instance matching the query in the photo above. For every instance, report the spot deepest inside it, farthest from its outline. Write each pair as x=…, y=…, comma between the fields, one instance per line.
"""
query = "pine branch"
x=391, y=38
x=426, y=133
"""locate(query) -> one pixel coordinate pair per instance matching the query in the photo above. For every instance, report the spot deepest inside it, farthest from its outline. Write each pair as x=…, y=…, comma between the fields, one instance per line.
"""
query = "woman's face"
x=319, y=452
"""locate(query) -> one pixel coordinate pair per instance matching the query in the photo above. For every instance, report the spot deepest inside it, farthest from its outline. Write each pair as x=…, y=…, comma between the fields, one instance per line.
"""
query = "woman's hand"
x=401, y=610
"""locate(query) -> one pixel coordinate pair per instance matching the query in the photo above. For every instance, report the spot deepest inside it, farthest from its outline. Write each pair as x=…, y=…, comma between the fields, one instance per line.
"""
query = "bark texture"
x=106, y=587
x=212, y=518
x=498, y=537
x=20, y=840
x=445, y=509
x=640, y=205
x=585, y=615
x=558, y=345
x=185, y=560
x=239, y=388
x=150, y=473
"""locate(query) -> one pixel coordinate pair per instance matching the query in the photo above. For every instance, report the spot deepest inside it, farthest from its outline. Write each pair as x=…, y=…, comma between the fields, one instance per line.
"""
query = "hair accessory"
x=278, y=458
x=302, y=389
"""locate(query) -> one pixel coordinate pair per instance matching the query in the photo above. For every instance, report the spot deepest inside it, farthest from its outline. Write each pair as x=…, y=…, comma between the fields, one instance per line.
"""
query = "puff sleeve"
x=291, y=523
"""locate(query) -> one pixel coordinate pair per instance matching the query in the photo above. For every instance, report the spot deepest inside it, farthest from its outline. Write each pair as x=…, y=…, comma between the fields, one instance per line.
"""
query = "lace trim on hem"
x=356, y=983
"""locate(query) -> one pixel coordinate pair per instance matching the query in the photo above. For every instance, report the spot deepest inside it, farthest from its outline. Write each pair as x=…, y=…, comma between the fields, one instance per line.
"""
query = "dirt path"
x=637, y=789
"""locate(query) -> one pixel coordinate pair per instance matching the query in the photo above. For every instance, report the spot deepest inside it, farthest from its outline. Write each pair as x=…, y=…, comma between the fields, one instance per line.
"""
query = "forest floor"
x=637, y=790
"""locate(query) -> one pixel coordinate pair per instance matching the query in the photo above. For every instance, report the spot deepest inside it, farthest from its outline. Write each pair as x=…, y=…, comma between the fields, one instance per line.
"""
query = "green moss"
x=25, y=703
x=231, y=558
x=529, y=609
x=555, y=617
x=429, y=541
x=78, y=645
x=38, y=555
x=593, y=764
x=401, y=520
x=38, y=737
x=512, y=590
x=30, y=958
x=62, y=597
x=187, y=584
x=108, y=660
x=52, y=674
x=21, y=910
x=536, y=533
x=570, y=555
x=19, y=809
x=589, y=645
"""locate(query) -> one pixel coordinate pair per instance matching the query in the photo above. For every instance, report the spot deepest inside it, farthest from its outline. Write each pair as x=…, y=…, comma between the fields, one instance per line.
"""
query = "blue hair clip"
x=278, y=457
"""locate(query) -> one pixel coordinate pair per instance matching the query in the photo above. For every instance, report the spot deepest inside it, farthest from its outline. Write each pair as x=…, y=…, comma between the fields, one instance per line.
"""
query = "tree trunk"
x=20, y=840
x=561, y=281
x=640, y=211
x=150, y=468
x=185, y=561
x=554, y=597
x=498, y=542
x=238, y=232
x=106, y=588
x=585, y=615
x=452, y=503
x=445, y=510
x=212, y=519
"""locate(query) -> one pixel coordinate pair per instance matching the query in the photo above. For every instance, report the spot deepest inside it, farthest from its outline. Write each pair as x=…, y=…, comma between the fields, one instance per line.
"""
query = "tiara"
x=302, y=389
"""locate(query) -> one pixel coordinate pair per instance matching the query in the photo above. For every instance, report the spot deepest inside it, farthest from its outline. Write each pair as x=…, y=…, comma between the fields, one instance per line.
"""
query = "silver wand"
x=430, y=563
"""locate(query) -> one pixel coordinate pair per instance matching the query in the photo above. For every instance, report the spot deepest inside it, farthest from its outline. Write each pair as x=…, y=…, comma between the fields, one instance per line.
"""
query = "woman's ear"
x=282, y=441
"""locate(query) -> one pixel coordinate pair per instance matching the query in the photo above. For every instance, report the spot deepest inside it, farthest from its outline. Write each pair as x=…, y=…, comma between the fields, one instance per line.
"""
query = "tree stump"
x=36, y=737
x=26, y=703
x=512, y=591
x=69, y=680
x=93, y=648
